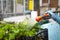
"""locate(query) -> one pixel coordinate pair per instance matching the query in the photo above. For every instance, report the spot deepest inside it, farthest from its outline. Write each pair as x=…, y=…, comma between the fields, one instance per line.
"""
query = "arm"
x=54, y=16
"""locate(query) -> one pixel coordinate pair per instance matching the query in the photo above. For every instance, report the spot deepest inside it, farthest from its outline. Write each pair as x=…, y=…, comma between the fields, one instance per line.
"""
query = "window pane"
x=8, y=6
x=19, y=6
x=4, y=5
x=26, y=4
x=0, y=7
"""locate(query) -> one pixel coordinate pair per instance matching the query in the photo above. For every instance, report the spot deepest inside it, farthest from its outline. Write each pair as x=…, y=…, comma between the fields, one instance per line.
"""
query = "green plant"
x=8, y=31
x=26, y=28
x=1, y=33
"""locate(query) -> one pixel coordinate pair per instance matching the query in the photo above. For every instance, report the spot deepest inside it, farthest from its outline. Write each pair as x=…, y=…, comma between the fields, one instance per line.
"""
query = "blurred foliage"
x=9, y=31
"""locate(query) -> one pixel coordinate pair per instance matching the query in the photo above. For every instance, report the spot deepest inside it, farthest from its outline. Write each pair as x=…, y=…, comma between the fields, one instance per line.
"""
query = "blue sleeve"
x=54, y=16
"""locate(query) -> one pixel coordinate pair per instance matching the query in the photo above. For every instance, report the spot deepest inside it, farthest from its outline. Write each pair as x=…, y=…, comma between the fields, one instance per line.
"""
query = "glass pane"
x=4, y=5
x=26, y=4
x=0, y=7
x=8, y=6
x=19, y=6
x=36, y=5
x=11, y=5
x=20, y=1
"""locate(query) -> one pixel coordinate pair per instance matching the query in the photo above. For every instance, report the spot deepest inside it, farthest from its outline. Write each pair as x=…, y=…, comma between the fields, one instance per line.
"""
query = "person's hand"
x=39, y=18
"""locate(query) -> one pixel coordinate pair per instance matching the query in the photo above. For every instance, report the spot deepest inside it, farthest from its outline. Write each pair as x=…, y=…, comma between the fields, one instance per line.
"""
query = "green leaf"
x=11, y=36
x=1, y=33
